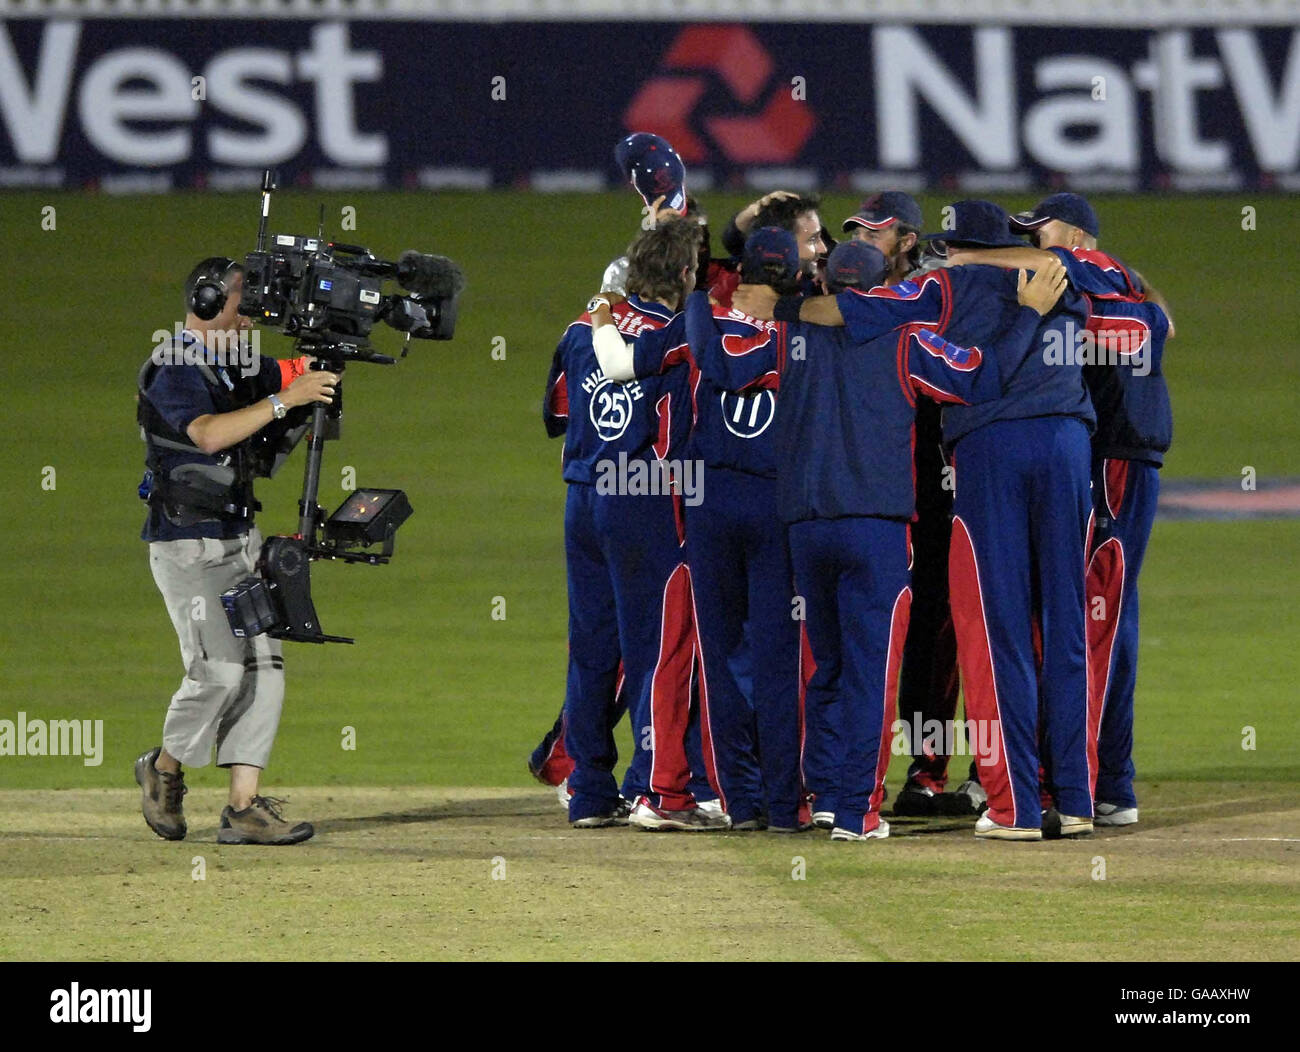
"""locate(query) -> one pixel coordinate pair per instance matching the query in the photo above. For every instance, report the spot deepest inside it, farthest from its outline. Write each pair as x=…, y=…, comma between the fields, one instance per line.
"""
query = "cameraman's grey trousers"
x=233, y=688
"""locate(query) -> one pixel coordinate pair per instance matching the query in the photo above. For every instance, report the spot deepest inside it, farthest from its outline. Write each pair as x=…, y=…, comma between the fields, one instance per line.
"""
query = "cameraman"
x=198, y=410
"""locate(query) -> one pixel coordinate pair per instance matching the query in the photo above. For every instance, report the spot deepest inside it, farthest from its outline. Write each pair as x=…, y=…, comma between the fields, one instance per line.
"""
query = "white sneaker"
x=1075, y=825
x=879, y=833
x=562, y=793
x=824, y=819
x=1114, y=815
x=712, y=808
x=987, y=829
x=615, y=816
x=1056, y=825
x=691, y=820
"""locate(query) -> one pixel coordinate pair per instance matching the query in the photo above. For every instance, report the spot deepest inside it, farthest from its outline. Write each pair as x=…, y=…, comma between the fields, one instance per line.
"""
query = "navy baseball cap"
x=1068, y=208
x=979, y=223
x=650, y=164
x=879, y=210
x=855, y=264
x=770, y=246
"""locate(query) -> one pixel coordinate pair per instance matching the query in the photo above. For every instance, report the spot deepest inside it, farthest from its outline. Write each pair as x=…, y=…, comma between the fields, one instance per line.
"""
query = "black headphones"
x=206, y=290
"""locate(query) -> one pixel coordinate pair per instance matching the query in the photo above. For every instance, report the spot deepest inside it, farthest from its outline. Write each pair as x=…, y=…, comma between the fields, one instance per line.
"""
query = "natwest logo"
x=137, y=105
x=752, y=129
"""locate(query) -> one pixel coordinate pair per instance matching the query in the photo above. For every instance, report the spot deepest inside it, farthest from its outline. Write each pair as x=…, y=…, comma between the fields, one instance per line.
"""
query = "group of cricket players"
x=818, y=492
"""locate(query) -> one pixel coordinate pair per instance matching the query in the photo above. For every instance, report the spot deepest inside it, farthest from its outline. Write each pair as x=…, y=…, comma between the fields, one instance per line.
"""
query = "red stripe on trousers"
x=706, y=727
x=893, y=667
x=1116, y=474
x=1105, y=596
x=670, y=694
x=558, y=764
x=807, y=669
x=976, y=661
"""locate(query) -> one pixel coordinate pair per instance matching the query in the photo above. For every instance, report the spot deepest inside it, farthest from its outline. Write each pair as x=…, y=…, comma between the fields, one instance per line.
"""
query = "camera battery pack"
x=249, y=608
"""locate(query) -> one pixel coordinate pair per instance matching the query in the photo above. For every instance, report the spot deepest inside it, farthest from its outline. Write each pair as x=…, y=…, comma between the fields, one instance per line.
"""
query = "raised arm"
x=733, y=355
x=762, y=302
x=1090, y=270
x=213, y=432
x=1024, y=257
x=967, y=375
x=613, y=353
x=874, y=312
x=733, y=236
x=655, y=351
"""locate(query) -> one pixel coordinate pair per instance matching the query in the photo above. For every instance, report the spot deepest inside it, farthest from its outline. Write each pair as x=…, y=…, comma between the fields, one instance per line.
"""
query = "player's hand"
x=957, y=256
x=311, y=386
x=746, y=216
x=1042, y=291
x=615, y=298
x=656, y=213
x=758, y=301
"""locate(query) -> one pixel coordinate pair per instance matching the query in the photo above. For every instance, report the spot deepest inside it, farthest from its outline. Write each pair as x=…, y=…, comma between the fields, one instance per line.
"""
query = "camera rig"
x=328, y=296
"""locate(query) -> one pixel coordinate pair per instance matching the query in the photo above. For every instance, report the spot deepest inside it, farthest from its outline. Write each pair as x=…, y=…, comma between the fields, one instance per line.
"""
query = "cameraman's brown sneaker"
x=160, y=797
x=261, y=823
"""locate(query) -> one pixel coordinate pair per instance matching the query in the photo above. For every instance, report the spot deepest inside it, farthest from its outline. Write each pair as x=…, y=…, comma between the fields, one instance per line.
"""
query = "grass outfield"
x=462, y=874
x=447, y=701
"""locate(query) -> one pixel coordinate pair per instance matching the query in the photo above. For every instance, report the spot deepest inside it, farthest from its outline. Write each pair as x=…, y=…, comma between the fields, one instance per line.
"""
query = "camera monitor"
x=369, y=516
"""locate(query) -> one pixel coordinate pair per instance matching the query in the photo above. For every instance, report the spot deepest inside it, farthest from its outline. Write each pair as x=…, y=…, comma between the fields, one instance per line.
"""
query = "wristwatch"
x=278, y=408
x=598, y=301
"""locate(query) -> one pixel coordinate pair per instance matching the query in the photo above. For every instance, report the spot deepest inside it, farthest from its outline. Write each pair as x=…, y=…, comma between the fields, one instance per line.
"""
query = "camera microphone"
x=430, y=277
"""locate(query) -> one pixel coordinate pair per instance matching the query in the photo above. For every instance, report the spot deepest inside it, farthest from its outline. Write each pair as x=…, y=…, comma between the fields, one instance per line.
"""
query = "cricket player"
x=799, y=215
x=891, y=221
x=629, y=586
x=1128, y=325
x=653, y=168
x=1134, y=431
x=740, y=568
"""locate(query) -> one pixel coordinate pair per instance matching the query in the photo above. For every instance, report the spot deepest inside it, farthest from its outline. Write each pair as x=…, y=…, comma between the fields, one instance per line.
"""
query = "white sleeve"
x=613, y=354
